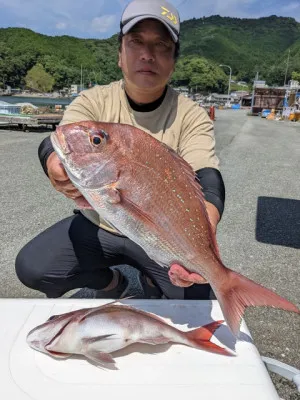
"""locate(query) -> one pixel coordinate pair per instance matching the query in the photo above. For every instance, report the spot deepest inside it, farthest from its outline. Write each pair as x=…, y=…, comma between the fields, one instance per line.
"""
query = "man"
x=79, y=251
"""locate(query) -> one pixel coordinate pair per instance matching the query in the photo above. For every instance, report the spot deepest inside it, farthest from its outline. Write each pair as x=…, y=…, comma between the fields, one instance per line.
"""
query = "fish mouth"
x=39, y=337
x=62, y=150
x=59, y=143
x=37, y=344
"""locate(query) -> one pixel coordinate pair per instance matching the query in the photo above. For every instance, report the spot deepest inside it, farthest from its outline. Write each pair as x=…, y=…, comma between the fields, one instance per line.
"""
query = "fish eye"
x=97, y=138
x=52, y=317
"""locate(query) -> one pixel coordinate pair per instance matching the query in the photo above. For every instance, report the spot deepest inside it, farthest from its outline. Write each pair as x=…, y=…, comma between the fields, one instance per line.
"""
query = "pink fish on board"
x=97, y=332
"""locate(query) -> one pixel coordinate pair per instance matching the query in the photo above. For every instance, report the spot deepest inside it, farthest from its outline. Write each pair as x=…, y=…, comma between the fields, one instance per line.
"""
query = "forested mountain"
x=247, y=45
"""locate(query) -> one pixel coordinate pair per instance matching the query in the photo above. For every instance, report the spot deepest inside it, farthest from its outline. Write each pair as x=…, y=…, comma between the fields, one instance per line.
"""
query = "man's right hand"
x=59, y=178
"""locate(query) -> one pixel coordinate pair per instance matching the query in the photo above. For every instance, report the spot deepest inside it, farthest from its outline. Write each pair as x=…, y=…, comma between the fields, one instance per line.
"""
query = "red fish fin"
x=241, y=292
x=113, y=302
x=135, y=209
x=205, y=332
x=200, y=338
x=117, y=195
x=214, y=348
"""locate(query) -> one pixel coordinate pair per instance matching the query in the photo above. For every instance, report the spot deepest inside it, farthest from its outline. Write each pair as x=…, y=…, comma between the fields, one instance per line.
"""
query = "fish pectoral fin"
x=113, y=194
x=156, y=340
x=99, y=357
x=136, y=210
x=116, y=195
x=90, y=340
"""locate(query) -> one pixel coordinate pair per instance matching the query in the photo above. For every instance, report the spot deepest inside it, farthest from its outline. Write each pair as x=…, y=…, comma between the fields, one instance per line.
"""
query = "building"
x=183, y=90
x=276, y=98
x=220, y=98
x=75, y=89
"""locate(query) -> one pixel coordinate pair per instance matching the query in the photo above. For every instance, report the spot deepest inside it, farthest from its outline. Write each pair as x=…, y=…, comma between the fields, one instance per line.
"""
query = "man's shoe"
x=119, y=292
x=150, y=290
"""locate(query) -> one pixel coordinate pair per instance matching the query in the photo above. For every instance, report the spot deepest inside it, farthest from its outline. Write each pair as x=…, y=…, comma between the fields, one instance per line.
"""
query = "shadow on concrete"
x=278, y=221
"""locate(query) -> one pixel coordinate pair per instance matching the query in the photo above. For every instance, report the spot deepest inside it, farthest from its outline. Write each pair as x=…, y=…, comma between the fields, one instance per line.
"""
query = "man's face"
x=147, y=55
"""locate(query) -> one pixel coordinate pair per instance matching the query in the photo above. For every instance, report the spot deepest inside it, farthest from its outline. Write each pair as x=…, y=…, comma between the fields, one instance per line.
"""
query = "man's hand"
x=179, y=276
x=59, y=178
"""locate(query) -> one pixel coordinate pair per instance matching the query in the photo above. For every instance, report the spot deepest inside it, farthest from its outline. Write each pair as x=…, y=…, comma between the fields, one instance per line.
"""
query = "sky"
x=100, y=18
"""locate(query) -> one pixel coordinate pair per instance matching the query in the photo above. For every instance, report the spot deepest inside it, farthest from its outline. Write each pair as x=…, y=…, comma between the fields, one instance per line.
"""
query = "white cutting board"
x=145, y=372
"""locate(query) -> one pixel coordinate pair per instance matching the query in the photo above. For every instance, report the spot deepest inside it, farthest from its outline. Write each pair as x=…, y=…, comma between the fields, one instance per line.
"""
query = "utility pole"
x=81, y=80
x=253, y=90
x=230, y=73
x=287, y=66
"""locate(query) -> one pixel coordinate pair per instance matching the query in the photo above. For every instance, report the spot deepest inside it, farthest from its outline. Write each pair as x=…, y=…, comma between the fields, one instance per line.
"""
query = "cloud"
x=61, y=25
x=104, y=23
x=233, y=8
x=123, y=3
x=237, y=8
x=100, y=18
x=291, y=6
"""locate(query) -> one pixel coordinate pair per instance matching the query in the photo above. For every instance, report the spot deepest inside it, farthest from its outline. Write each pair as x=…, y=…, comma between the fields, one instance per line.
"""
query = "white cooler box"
x=163, y=372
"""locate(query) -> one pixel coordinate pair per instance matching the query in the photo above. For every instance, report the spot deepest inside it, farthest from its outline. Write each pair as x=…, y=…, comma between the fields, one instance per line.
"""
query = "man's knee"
x=26, y=269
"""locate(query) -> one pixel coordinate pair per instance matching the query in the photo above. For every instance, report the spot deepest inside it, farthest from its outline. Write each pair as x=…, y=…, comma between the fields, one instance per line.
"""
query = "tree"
x=247, y=45
x=199, y=72
x=296, y=75
x=38, y=79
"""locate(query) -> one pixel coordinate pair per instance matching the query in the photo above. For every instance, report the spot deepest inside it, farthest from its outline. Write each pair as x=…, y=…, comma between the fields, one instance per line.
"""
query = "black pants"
x=75, y=253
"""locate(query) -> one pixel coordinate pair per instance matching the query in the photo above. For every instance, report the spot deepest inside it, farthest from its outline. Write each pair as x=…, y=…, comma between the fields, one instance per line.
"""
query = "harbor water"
x=37, y=101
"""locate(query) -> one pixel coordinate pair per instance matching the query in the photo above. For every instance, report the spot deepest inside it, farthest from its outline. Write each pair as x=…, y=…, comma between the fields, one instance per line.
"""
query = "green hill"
x=247, y=45
x=61, y=56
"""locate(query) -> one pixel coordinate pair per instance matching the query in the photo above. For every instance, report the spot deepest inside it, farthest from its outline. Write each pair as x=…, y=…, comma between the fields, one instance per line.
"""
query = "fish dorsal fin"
x=112, y=306
x=103, y=306
x=115, y=307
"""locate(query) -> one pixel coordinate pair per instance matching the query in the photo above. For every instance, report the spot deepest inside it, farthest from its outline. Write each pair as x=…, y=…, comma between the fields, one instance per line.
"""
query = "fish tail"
x=240, y=292
x=200, y=338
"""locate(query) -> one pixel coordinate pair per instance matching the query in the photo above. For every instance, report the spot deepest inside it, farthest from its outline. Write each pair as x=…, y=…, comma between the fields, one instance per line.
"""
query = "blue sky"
x=100, y=18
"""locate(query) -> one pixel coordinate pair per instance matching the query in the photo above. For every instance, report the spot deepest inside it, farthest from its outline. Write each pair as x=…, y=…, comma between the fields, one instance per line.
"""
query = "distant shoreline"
x=37, y=100
x=39, y=96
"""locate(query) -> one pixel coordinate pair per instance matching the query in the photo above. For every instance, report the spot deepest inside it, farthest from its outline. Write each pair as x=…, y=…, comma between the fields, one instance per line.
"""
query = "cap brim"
x=126, y=28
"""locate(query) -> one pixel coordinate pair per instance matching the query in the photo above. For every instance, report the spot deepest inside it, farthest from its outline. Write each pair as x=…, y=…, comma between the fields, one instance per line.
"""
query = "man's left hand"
x=179, y=276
